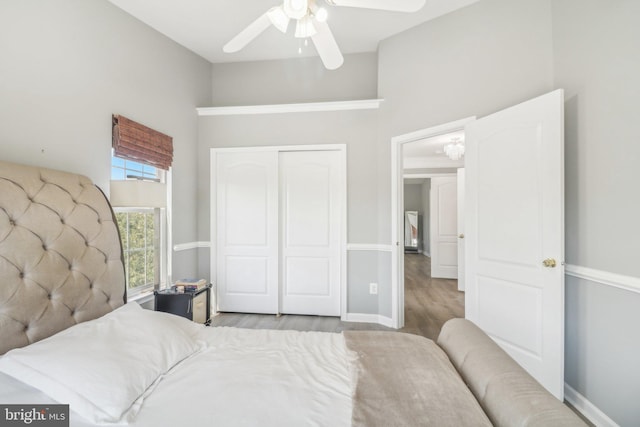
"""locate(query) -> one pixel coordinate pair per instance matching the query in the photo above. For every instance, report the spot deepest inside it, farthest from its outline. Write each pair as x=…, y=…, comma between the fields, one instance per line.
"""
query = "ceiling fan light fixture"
x=305, y=28
x=295, y=9
x=311, y=22
x=321, y=14
x=278, y=18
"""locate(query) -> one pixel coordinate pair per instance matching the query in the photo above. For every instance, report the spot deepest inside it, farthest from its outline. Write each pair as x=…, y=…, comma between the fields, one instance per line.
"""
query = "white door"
x=247, y=231
x=310, y=232
x=515, y=233
x=461, y=261
x=444, y=228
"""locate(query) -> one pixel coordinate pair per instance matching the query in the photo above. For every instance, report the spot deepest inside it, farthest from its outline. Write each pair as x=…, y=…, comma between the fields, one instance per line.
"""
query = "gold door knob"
x=549, y=262
x=461, y=236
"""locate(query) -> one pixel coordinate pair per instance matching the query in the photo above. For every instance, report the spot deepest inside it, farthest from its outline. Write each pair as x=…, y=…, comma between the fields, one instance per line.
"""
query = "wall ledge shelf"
x=361, y=104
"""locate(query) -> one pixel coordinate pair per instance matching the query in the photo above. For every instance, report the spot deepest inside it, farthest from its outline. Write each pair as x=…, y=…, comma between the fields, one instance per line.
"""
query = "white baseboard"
x=368, y=318
x=586, y=408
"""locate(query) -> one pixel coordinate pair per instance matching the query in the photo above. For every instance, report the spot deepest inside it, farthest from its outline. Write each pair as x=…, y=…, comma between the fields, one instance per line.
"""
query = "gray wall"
x=67, y=65
x=294, y=80
x=475, y=61
x=366, y=267
x=597, y=61
x=413, y=197
x=472, y=62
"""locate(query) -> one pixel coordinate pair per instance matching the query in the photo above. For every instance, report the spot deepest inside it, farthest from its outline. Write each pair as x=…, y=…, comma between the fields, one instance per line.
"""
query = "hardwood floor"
x=428, y=304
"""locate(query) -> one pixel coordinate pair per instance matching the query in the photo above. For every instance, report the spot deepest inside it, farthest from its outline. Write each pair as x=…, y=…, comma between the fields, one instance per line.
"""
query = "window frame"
x=162, y=238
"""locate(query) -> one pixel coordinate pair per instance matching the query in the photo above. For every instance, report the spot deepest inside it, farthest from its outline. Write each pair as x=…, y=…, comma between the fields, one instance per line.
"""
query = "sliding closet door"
x=311, y=197
x=247, y=231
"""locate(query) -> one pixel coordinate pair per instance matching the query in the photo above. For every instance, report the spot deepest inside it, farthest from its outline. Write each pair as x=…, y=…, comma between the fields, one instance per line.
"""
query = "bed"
x=68, y=336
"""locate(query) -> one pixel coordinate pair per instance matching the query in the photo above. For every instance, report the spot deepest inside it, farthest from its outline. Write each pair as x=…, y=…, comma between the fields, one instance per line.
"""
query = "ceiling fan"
x=311, y=22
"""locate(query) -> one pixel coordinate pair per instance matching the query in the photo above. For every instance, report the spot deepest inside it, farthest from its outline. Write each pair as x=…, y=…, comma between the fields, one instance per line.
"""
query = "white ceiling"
x=204, y=26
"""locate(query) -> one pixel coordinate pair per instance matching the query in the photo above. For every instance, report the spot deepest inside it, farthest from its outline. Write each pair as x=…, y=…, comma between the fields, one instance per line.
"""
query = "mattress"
x=242, y=378
x=145, y=368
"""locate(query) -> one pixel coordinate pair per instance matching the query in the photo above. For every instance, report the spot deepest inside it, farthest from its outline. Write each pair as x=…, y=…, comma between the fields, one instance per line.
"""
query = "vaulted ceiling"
x=204, y=26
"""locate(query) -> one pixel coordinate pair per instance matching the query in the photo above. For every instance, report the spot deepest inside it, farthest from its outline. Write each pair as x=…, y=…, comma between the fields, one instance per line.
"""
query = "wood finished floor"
x=428, y=304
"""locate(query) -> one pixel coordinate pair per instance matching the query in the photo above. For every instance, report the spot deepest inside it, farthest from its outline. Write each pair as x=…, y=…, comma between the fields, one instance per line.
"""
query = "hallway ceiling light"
x=455, y=149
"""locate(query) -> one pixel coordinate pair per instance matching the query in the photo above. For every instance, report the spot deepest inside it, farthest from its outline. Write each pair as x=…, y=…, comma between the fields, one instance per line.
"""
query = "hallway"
x=428, y=303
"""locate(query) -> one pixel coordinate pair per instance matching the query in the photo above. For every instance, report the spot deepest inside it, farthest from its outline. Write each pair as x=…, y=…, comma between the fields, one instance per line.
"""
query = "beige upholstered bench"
x=507, y=393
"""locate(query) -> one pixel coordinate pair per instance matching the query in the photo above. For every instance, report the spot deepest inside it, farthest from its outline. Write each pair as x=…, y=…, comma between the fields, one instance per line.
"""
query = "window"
x=140, y=163
x=141, y=247
x=124, y=169
x=142, y=230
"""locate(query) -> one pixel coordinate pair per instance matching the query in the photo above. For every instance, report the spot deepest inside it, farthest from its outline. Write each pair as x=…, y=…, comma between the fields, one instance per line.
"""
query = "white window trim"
x=165, y=257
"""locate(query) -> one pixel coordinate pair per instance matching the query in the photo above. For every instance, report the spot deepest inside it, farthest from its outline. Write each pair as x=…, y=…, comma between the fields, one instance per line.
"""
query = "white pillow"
x=102, y=368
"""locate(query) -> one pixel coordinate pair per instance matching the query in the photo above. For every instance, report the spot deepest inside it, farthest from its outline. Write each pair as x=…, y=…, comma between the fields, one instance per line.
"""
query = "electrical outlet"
x=373, y=288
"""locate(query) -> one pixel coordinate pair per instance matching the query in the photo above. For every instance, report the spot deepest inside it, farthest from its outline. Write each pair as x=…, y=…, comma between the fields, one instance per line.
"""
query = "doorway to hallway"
x=419, y=154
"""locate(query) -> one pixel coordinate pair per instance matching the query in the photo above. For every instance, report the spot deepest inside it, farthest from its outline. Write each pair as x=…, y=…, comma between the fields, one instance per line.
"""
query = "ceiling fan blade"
x=392, y=5
x=327, y=47
x=245, y=36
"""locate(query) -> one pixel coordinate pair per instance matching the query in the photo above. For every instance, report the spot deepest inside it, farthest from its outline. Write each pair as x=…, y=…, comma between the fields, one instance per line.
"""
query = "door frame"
x=341, y=148
x=461, y=243
x=397, y=209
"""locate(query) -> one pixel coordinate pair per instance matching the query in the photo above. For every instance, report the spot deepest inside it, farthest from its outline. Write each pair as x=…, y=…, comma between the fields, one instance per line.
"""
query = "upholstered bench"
x=507, y=393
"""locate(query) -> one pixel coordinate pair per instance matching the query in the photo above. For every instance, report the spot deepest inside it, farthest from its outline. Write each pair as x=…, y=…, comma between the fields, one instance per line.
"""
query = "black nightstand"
x=194, y=306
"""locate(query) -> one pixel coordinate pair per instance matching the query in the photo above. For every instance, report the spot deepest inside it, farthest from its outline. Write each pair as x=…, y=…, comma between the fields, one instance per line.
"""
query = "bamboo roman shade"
x=134, y=141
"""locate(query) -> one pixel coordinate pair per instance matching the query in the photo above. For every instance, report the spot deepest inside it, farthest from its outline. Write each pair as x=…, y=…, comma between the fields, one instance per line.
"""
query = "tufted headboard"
x=60, y=254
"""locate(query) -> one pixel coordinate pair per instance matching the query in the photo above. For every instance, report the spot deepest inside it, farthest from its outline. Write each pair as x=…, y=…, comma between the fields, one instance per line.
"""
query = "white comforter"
x=257, y=378
x=238, y=377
